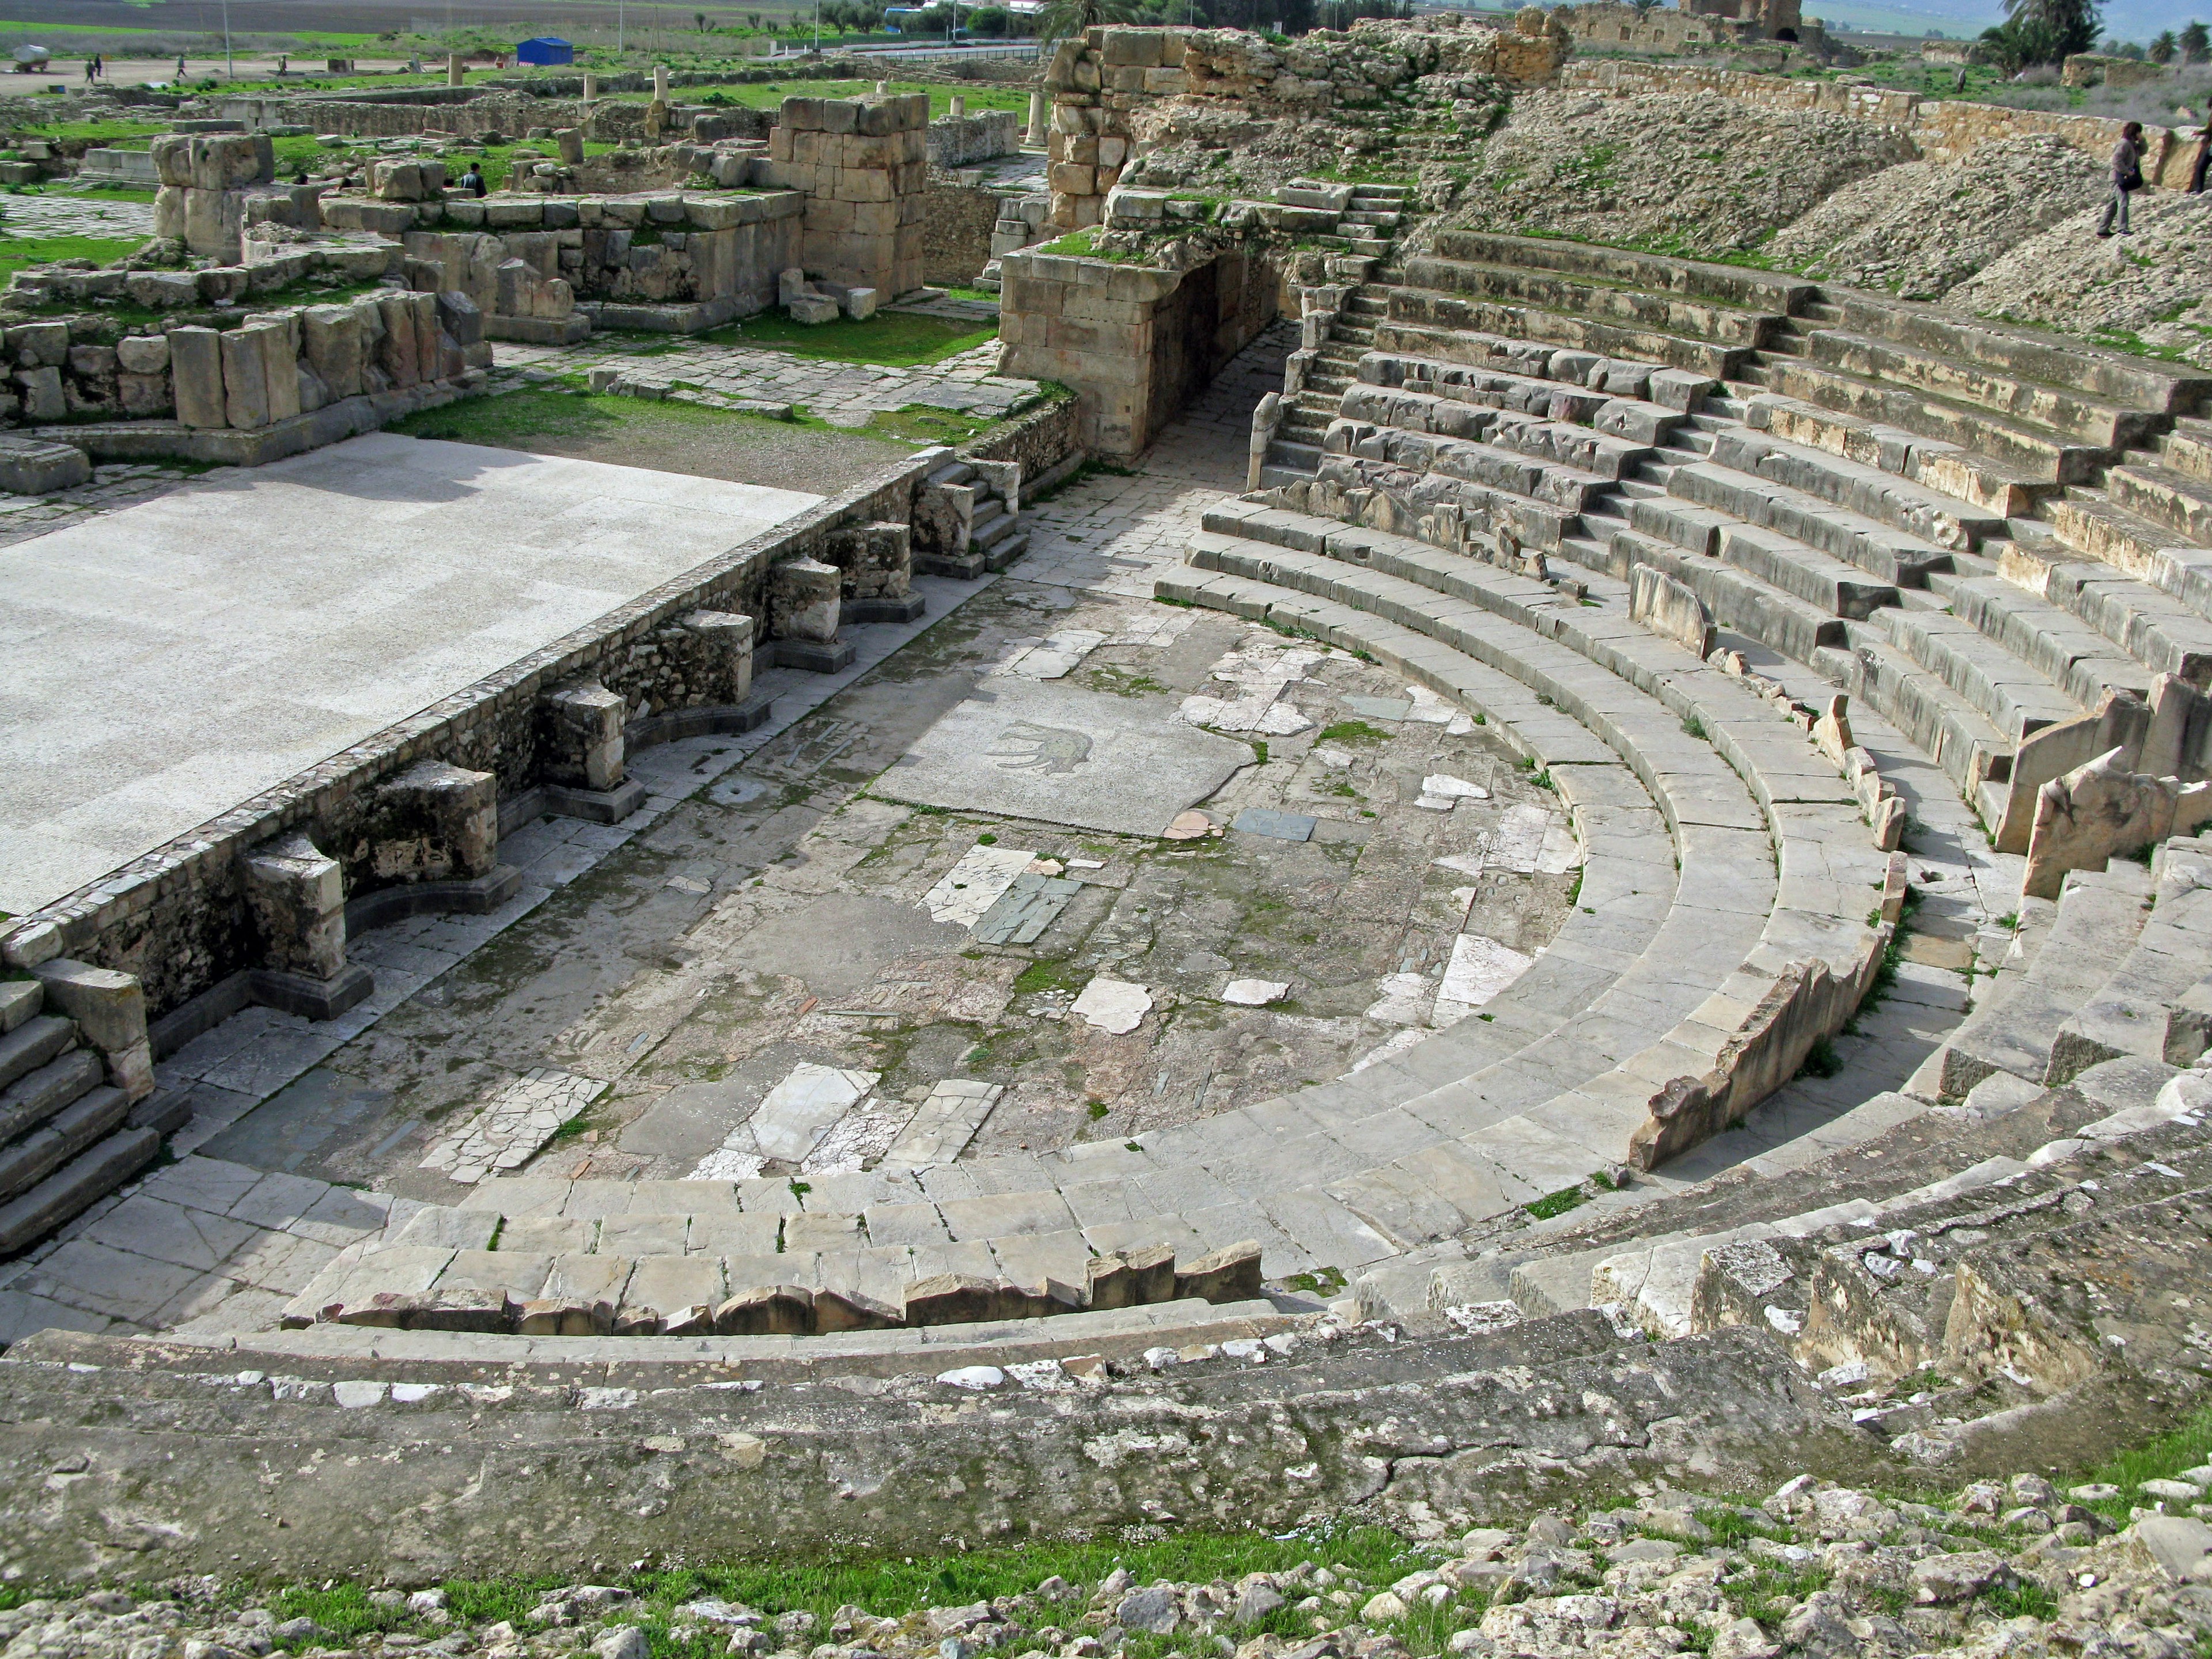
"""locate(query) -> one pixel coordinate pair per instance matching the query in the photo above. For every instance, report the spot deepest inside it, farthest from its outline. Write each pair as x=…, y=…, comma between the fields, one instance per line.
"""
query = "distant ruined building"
x=1689, y=26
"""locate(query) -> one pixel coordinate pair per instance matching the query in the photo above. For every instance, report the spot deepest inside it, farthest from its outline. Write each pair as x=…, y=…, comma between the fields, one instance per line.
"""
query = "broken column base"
x=311, y=999
x=908, y=607
x=816, y=656
x=473, y=898
x=595, y=806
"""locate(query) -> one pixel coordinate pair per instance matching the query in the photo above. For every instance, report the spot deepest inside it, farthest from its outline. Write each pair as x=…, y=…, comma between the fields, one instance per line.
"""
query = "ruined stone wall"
x=1111, y=86
x=863, y=169
x=1942, y=129
x=1679, y=29
x=1042, y=441
x=956, y=233
x=1133, y=342
x=174, y=917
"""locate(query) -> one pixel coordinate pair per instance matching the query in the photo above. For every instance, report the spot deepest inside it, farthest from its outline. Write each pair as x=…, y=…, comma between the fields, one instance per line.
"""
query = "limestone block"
x=331, y=338
x=2121, y=721
x=196, y=375
x=230, y=160
x=791, y=285
x=718, y=646
x=569, y=142
x=1831, y=732
x=803, y=600
x=143, y=354
x=583, y=736
x=813, y=308
x=308, y=386
x=1072, y=179
x=2102, y=810
x=860, y=303
x=767, y=1309
x=461, y=318
x=428, y=354
x=436, y=822
x=213, y=222
x=876, y=559
x=40, y=390
x=110, y=1010
x=2180, y=732
x=1132, y=1277
x=173, y=159
x=245, y=378
x=395, y=352
x=942, y=516
x=162, y=290
x=1231, y=1273
x=1670, y=609
x=296, y=894
x=142, y=397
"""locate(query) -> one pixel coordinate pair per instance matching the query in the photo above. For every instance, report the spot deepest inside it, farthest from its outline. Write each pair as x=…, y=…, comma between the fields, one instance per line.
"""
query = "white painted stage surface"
x=165, y=662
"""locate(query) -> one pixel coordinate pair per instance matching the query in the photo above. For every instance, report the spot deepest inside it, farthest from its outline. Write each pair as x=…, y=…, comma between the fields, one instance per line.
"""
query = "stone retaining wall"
x=1042, y=443
x=1943, y=129
x=1132, y=341
x=178, y=917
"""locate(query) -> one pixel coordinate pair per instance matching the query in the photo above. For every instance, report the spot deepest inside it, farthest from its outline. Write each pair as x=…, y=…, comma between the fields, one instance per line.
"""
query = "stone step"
x=36, y=1096
x=2100, y=918
x=2062, y=647
x=1892, y=556
x=1952, y=470
x=1665, y=313
x=20, y=1000
x=1962, y=741
x=1943, y=521
x=2018, y=448
x=1299, y=457
x=1729, y=284
x=1434, y=324
x=2164, y=635
x=2187, y=448
x=31, y=1044
x=2092, y=525
x=33, y=1156
x=2087, y=419
x=2016, y=698
x=2117, y=377
x=84, y=1180
x=1004, y=552
x=2128, y=1014
x=1740, y=600
x=2177, y=500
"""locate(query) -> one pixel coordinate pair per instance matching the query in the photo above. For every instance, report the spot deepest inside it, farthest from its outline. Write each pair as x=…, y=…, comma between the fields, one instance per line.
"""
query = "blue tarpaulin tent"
x=545, y=49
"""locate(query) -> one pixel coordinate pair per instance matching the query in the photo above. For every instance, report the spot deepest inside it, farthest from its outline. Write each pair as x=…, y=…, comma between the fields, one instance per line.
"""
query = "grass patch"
x=1353, y=732
x=1822, y=1059
x=893, y=339
x=1558, y=1203
x=20, y=252
x=917, y=423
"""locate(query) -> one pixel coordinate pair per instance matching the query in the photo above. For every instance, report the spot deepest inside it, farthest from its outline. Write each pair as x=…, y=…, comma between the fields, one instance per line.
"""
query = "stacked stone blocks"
x=863, y=169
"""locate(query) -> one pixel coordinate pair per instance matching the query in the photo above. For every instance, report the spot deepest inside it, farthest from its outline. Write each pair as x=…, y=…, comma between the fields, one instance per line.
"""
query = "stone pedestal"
x=803, y=614
x=296, y=894
x=876, y=560
x=718, y=647
x=436, y=823
x=583, y=755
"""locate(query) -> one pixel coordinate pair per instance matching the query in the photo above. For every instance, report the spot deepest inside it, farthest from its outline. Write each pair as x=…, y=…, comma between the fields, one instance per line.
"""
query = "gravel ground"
x=2156, y=285
x=1918, y=228
x=1700, y=175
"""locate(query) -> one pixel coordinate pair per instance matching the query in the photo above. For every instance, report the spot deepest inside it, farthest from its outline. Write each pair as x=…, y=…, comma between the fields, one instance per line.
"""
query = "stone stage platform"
x=170, y=661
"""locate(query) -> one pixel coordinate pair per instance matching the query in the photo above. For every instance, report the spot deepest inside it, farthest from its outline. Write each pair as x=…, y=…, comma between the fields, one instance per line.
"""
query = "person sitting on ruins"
x=473, y=180
x=2127, y=178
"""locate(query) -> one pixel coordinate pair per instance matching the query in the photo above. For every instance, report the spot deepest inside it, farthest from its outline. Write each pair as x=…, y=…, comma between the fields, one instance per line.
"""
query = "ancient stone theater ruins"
x=1396, y=862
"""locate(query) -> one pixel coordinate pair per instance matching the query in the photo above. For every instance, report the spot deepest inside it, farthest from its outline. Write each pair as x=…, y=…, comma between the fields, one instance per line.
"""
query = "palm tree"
x=2163, y=48
x=1063, y=18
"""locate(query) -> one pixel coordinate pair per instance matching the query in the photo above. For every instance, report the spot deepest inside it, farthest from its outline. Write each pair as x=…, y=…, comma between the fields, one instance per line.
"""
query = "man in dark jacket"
x=2127, y=178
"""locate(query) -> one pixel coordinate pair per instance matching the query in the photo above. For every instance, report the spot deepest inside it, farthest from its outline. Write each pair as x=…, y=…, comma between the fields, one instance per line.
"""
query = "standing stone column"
x=803, y=614
x=959, y=109
x=296, y=893
x=591, y=86
x=436, y=823
x=1036, y=134
x=195, y=374
x=456, y=71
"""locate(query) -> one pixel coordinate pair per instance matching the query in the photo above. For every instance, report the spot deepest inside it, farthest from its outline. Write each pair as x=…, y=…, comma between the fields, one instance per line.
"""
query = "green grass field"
x=892, y=339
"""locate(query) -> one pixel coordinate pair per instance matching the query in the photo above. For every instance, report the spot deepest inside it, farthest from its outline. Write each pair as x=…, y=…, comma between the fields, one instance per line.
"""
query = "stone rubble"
x=2023, y=1568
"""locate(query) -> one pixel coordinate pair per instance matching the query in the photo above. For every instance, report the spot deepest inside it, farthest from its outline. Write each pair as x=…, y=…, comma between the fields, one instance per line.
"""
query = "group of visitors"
x=2128, y=174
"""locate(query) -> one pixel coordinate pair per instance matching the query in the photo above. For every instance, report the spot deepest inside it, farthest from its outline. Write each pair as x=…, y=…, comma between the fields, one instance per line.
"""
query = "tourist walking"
x=2127, y=178
x=181, y=66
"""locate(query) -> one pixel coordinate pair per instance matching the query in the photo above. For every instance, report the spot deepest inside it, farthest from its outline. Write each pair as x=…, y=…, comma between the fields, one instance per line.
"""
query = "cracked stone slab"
x=945, y=1123
x=514, y=1124
x=1114, y=1006
x=1025, y=909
